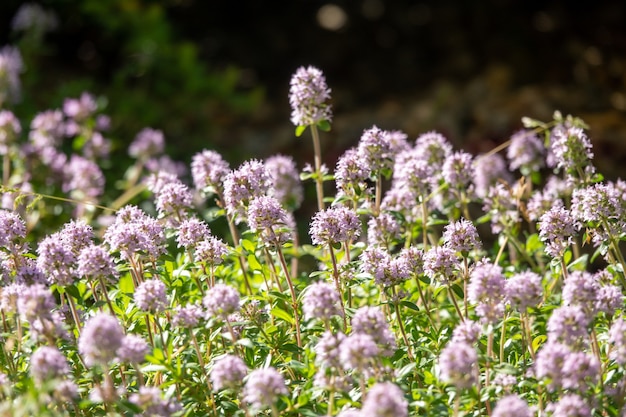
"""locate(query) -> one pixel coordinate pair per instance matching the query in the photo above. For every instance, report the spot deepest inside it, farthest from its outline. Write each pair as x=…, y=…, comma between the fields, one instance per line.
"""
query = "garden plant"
x=429, y=282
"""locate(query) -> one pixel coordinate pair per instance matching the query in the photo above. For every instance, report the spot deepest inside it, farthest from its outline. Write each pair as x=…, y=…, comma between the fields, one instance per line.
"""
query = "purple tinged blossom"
x=187, y=316
x=100, y=339
x=47, y=129
x=221, y=301
x=512, y=406
x=66, y=391
x=267, y=217
x=133, y=231
x=211, y=251
x=56, y=260
x=35, y=301
x=434, y=148
x=151, y=401
x=48, y=363
x=385, y=270
x=133, y=349
x=321, y=301
x=524, y=290
x=385, y=399
x=371, y=321
x=95, y=262
x=617, y=340
x=334, y=225
x=489, y=170
x=191, y=231
x=599, y=206
x=461, y=236
x=156, y=181
x=358, y=351
x=549, y=363
x=441, y=264
x=309, y=96
x=580, y=371
x=80, y=109
x=466, y=332
x=9, y=295
x=208, y=170
x=413, y=172
x=147, y=144
x=13, y=230
x=376, y=150
x=327, y=349
x=581, y=288
x=228, y=372
x=285, y=178
x=76, y=235
x=571, y=150
x=557, y=228
x=458, y=365
x=250, y=180
x=413, y=258
x=568, y=324
x=383, y=229
x=486, y=289
x=402, y=200
x=457, y=170
x=151, y=296
x=174, y=198
x=526, y=152
x=569, y=405
x=83, y=178
x=263, y=387
x=609, y=299
x=351, y=173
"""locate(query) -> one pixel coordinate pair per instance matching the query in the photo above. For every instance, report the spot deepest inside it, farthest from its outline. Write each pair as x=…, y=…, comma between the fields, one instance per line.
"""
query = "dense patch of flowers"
x=434, y=282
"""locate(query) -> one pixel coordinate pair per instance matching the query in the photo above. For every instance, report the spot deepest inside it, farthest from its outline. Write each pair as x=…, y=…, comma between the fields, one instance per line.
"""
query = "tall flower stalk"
x=308, y=96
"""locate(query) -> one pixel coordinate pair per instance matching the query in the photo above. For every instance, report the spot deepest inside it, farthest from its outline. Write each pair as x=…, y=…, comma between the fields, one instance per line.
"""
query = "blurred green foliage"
x=129, y=52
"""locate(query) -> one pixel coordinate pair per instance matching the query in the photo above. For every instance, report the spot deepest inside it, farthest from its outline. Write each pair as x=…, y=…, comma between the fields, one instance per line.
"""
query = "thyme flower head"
x=308, y=96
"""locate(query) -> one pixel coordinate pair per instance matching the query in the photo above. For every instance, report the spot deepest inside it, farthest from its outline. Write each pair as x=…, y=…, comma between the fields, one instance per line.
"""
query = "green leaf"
x=73, y=291
x=533, y=243
x=408, y=304
x=324, y=125
x=567, y=256
x=283, y=315
x=245, y=342
x=458, y=290
x=537, y=341
x=300, y=130
x=248, y=245
x=579, y=264
x=253, y=263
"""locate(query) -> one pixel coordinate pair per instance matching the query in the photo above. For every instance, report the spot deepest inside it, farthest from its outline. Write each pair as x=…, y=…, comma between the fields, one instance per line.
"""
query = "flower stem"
x=292, y=290
x=319, y=180
x=337, y=283
x=402, y=330
x=456, y=305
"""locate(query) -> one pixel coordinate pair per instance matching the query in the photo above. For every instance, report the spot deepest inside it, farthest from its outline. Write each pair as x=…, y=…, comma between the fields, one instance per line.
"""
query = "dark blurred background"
x=215, y=74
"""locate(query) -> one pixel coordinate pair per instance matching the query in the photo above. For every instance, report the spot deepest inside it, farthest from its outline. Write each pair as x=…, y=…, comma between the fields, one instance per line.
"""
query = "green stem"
x=292, y=290
x=502, y=338
x=401, y=326
x=319, y=180
x=424, y=303
x=338, y=283
x=456, y=306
